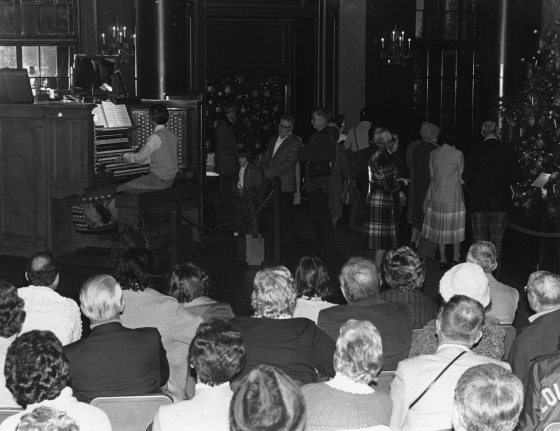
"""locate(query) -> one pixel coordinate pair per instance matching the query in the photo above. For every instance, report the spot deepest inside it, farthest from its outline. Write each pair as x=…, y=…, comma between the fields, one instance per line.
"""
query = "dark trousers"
x=286, y=213
x=322, y=221
x=489, y=226
x=227, y=182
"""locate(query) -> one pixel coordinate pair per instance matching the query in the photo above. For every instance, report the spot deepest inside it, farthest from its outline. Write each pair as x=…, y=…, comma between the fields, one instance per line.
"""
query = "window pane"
x=8, y=57
x=7, y=18
x=62, y=60
x=47, y=19
x=451, y=21
x=62, y=20
x=28, y=19
x=48, y=61
x=30, y=60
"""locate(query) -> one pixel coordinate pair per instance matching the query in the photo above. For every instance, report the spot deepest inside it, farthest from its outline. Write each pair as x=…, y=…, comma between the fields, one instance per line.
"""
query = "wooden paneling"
x=282, y=7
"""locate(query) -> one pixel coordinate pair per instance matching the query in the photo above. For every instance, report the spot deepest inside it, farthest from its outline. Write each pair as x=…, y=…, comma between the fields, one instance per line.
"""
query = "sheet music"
x=541, y=180
x=116, y=115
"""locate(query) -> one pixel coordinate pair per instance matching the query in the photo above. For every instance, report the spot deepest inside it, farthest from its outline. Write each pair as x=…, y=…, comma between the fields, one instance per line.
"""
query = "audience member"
x=313, y=288
x=504, y=299
x=45, y=308
x=113, y=360
x=12, y=315
x=541, y=409
x=405, y=273
x=47, y=419
x=267, y=399
x=37, y=374
x=189, y=285
x=487, y=398
x=226, y=148
x=319, y=155
x=422, y=389
x=359, y=282
x=540, y=337
x=272, y=336
x=347, y=401
x=140, y=280
x=464, y=279
x=216, y=354
x=380, y=226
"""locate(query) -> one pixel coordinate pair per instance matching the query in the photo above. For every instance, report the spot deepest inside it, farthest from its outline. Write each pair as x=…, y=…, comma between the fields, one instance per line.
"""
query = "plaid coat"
x=380, y=219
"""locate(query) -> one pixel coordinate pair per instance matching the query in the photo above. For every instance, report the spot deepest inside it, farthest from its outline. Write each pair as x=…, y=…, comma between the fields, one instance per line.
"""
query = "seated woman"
x=267, y=399
x=189, y=285
x=405, y=273
x=272, y=336
x=347, y=401
x=216, y=354
x=113, y=360
x=47, y=419
x=37, y=374
x=313, y=288
x=464, y=279
x=12, y=316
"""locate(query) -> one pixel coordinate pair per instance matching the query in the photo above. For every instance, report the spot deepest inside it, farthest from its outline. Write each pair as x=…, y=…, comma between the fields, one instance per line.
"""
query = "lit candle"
x=521, y=132
x=402, y=34
x=382, y=43
x=114, y=31
x=393, y=36
x=103, y=38
x=400, y=41
x=124, y=31
x=120, y=36
x=409, y=40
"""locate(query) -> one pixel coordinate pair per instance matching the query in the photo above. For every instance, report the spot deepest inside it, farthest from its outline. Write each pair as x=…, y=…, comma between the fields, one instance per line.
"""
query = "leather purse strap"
x=413, y=403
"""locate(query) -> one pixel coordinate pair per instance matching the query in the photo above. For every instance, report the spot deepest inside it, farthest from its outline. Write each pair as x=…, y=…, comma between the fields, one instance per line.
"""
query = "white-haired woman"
x=272, y=336
x=348, y=401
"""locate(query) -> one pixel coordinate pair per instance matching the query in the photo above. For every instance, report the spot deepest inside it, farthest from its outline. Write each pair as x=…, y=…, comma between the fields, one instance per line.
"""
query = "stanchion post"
x=276, y=220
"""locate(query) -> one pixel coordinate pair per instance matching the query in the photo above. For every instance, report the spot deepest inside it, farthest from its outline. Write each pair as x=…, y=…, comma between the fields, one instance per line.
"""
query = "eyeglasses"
x=317, y=119
x=284, y=127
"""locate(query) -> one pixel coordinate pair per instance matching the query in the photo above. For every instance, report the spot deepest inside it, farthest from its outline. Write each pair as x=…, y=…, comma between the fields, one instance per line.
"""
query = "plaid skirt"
x=380, y=232
x=444, y=222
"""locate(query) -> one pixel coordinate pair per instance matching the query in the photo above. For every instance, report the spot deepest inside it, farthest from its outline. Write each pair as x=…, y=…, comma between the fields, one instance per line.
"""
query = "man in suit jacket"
x=279, y=161
x=359, y=282
x=540, y=337
x=249, y=176
x=226, y=148
x=459, y=326
x=490, y=169
x=114, y=360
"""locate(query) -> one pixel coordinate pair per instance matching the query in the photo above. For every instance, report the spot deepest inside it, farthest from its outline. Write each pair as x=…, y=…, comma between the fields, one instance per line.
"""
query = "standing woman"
x=444, y=205
x=380, y=226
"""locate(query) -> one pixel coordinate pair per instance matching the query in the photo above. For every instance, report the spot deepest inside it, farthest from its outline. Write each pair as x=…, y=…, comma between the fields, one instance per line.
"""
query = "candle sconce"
x=119, y=42
x=396, y=49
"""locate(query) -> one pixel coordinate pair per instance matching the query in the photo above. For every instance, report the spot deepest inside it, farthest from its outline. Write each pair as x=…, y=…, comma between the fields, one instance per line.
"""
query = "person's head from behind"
x=403, y=269
x=267, y=399
x=483, y=253
x=489, y=129
x=36, y=368
x=45, y=418
x=359, y=279
x=465, y=279
x=429, y=132
x=43, y=269
x=274, y=293
x=487, y=398
x=101, y=298
x=543, y=290
x=12, y=314
x=312, y=278
x=159, y=114
x=217, y=353
x=460, y=321
x=188, y=282
x=137, y=270
x=359, y=351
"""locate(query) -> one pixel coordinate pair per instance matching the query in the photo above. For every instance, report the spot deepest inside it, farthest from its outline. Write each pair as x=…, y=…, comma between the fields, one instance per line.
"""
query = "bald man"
x=46, y=309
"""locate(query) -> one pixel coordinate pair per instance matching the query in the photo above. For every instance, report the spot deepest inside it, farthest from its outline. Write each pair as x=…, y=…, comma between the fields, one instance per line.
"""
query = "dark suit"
x=283, y=165
x=117, y=361
x=393, y=321
x=226, y=153
x=252, y=177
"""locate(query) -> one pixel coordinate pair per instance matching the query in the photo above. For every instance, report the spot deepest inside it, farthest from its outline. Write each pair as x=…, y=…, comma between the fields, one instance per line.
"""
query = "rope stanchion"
x=532, y=232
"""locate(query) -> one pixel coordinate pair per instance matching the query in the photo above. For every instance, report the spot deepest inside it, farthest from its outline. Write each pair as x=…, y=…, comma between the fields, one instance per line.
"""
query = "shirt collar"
x=95, y=325
x=456, y=346
x=346, y=384
x=542, y=313
x=205, y=386
x=159, y=127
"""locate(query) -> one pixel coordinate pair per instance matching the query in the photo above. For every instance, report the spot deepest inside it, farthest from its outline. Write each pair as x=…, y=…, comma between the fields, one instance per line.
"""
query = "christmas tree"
x=531, y=125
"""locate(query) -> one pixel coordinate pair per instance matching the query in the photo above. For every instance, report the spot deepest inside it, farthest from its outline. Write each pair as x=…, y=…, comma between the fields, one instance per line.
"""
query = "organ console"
x=53, y=159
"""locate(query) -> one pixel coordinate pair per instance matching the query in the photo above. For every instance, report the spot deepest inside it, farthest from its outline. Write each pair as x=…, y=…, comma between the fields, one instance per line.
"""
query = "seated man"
x=540, y=337
x=359, y=282
x=504, y=298
x=487, y=397
x=114, y=360
x=422, y=394
x=45, y=308
x=216, y=354
x=37, y=375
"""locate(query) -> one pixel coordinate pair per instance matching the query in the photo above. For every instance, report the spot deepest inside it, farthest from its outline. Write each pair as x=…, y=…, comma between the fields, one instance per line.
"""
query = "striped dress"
x=380, y=231
x=444, y=205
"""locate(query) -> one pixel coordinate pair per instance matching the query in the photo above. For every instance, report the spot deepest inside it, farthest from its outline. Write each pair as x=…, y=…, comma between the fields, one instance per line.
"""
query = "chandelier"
x=397, y=49
x=119, y=43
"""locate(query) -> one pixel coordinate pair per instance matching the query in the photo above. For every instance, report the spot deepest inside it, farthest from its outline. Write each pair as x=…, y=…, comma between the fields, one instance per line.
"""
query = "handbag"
x=318, y=169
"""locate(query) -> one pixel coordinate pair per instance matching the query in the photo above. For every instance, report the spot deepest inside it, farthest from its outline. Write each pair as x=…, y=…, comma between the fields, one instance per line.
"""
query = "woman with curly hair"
x=145, y=306
x=37, y=374
x=12, y=316
x=405, y=273
x=313, y=288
